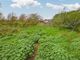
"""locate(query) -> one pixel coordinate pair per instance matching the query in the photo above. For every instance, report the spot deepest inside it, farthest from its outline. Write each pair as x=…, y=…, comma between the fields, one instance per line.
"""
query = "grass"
x=58, y=44
x=54, y=44
x=18, y=46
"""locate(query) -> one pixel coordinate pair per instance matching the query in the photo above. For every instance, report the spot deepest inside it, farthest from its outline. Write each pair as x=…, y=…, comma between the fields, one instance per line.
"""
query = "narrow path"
x=35, y=52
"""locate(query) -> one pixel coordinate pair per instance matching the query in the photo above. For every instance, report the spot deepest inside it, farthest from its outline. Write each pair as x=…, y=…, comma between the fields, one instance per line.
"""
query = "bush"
x=22, y=21
x=70, y=20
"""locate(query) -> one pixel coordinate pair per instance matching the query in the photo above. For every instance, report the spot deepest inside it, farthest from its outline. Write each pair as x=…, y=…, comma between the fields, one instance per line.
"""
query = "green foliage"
x=18, y=46
x=23, y=21
x=58, y=44
x=54, y=44
x=70, y=20
x=18, y=37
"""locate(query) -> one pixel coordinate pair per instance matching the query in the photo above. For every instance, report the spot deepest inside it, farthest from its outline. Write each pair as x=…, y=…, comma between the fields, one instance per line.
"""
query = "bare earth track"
x=35, y=52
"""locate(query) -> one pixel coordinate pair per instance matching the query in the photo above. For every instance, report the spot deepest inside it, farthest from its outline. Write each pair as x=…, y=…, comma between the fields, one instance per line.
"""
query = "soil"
x=35, y=52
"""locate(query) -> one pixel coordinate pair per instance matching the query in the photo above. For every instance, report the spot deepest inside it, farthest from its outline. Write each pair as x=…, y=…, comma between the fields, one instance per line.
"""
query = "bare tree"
x=11, y=16
x=22, y=17
x=33, y=19
x=1, y=16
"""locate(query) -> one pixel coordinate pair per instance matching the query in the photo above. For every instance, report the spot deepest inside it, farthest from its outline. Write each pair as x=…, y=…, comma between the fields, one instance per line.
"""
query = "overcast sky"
x=45, y=8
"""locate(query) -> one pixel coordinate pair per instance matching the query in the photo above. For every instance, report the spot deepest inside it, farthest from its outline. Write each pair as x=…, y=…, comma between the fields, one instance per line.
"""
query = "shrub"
x=70, y=20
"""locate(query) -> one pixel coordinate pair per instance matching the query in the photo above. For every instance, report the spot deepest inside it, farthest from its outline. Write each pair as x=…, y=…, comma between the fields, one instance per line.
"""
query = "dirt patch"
x=35, y=52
